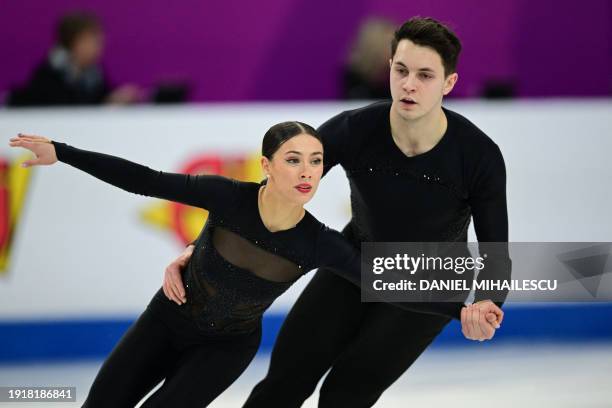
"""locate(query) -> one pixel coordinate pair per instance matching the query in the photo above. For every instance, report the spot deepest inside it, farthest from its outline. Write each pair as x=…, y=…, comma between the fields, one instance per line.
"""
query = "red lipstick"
x=303, y=188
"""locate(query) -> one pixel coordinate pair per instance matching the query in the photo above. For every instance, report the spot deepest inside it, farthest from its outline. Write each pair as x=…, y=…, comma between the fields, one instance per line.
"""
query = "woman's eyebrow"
x=300, y=153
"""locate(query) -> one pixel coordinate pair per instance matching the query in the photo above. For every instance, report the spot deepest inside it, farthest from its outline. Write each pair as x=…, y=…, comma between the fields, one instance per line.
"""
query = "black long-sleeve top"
x=429, y=197
x=238, y=267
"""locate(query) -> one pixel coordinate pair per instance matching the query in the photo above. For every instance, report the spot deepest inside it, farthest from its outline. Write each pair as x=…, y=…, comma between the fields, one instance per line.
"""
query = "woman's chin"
x=301, y=198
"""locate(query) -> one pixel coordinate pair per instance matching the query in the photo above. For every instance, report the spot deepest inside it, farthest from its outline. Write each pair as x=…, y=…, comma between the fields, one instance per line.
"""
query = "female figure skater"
x=257, y=241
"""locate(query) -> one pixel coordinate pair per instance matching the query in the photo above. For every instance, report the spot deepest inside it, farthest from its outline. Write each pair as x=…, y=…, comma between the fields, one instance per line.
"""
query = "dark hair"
x=74, y=24
x=428, y=32
x=281, y=132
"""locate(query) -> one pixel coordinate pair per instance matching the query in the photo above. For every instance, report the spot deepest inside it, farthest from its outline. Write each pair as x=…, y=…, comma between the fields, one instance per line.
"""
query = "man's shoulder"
x=375, y=111
x=357, y=124
x=468, y=134
x=372, y=112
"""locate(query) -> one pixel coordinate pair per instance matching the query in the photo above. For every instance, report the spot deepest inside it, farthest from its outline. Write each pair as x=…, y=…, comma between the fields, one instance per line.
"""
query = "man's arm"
x=173, y=283
x=490, y=212
x=335, y=135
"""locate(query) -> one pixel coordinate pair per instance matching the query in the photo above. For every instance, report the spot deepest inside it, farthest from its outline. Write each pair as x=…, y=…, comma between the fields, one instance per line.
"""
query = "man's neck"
x=418, y=136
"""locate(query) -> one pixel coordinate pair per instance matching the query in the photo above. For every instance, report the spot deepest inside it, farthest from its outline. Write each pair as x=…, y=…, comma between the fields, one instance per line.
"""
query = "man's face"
x=417, y=80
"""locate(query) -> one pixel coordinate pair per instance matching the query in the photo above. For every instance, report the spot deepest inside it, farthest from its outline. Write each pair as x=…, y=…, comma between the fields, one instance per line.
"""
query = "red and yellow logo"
x=185, y=222
x=14, y=181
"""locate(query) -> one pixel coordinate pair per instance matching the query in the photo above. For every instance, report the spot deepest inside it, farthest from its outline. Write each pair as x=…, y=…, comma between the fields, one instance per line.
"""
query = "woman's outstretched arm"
x=205, y=191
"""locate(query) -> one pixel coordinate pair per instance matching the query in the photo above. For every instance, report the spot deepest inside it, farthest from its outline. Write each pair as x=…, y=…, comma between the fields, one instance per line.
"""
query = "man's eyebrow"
x=424, y=69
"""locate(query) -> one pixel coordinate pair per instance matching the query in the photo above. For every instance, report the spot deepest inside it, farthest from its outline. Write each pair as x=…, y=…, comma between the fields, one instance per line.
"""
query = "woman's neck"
x=276, y=213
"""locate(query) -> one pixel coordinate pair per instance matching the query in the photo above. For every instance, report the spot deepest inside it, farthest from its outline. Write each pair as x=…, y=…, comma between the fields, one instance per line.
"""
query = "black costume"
x=426, y=198
x=238, y=268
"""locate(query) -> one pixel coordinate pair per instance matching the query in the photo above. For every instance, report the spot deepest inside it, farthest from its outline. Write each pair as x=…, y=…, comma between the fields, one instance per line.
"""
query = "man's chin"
x=406, y=114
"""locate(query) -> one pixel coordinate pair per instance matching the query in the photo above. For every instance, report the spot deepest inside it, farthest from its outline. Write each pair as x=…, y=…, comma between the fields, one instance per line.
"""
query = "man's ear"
x=449, y=83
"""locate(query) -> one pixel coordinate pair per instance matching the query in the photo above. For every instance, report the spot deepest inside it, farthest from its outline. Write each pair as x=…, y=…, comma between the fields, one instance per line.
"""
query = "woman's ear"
x=265, y=166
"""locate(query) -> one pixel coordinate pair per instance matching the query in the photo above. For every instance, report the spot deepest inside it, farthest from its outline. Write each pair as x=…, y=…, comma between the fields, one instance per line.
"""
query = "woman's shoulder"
x=311, y=222
x=323, y=234
x=237, y=186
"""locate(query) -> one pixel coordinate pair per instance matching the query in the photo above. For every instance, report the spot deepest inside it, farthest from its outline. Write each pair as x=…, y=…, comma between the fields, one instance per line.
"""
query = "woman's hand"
x=480, y=320
x=42, y=148
x=173, y=284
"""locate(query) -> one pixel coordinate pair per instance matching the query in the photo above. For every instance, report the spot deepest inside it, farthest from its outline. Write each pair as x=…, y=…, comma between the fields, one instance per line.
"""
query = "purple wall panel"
x=294, y=49
x=305, y=57
x=565, y=49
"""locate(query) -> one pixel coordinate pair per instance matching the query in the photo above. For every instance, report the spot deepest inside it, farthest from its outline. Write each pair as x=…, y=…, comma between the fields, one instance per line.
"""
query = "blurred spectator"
x=366, y=75
x=71, y=74
x=498, y=88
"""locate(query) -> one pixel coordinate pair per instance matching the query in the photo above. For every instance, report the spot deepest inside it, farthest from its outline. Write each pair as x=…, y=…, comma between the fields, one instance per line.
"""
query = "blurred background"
x=298, y=50
x=193, y=86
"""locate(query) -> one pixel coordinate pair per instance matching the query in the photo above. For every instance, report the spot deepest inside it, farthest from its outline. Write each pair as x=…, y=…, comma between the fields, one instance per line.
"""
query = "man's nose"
x=409, y=83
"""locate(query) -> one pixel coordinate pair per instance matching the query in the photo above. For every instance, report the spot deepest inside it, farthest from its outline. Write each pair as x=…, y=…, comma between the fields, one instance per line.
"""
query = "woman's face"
x=296, y=168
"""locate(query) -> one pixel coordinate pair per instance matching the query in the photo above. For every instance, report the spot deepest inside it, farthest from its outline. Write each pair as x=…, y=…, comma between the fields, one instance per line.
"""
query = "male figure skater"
x=417, y=172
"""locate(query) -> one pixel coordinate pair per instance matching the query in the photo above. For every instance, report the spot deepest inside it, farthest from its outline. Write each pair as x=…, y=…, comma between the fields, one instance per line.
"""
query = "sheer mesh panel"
x=245, y=255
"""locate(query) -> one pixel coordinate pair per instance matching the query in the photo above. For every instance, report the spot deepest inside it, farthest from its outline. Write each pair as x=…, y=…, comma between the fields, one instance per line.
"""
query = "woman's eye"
x=316, y=162
x=293, y=161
